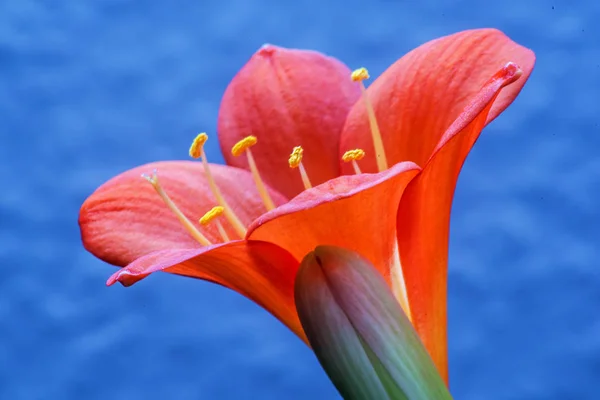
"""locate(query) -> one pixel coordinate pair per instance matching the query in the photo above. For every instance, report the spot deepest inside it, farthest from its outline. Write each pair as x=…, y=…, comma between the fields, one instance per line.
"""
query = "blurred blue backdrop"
x=91, y=88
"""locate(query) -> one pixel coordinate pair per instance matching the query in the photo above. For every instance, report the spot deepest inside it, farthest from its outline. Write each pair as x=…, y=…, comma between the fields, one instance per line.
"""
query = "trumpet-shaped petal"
x=359, y=332
x=288, y=98
x=349, y=210
x=261, y=271
x=125, y=219
x=424, y=92
x=424, y=217
x=354, y=211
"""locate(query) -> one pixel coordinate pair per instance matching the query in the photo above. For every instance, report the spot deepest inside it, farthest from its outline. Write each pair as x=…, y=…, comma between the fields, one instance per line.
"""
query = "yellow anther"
x=211, y=216
x=197, y=145
x=242, y=145
x=228, y=211
x=359, y=75
x=153, y=179
x=353, y=155
x=213, y=213
x=296, y=157
x=295, y=161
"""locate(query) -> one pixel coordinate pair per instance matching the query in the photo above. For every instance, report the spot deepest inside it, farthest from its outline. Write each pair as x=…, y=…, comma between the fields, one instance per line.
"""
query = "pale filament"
x=229, y=214
x=359, y=76
x=295, y=161
x=304, y=176
x=243, y=146
x=196, y=234
x=197, y=151
x=222, y=231
x=260, y=186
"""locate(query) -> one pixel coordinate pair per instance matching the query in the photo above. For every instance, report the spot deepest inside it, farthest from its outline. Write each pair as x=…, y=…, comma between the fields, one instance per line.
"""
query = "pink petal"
x=288, y=98
x=261, y=271
x=125, y=218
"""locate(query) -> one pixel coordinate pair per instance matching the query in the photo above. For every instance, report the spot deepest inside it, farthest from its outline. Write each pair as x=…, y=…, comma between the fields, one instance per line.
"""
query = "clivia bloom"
x=372, y=170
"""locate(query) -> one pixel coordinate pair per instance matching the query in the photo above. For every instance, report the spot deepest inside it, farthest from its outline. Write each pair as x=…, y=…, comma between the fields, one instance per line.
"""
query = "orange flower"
x=426, y=110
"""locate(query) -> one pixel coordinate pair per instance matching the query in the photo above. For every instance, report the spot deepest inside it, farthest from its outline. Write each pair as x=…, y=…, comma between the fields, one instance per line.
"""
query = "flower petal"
x=125, y=219
x=288, y=98
x=424, y=218
x=261, y=271
x=353, y=211
x=421, y=94
x=359, y=332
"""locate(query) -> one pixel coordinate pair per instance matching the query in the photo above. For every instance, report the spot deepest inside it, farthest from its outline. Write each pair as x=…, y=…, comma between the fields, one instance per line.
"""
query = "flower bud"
x=358, y=330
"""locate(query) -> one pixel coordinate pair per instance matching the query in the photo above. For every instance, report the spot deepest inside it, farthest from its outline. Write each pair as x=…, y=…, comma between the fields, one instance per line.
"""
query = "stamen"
x=353, y=156
x=244, y=146
x=228, y=211
x=212, y=215
x=153, y=179
x=198, y=145
x=359, y=76
x=295, y=161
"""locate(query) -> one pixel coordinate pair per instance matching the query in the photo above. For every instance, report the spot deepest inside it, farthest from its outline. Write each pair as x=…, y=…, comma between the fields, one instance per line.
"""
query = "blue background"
x=91, y=88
